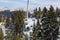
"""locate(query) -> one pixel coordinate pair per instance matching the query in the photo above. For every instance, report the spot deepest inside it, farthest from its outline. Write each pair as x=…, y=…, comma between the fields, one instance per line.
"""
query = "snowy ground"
x=28, y=33
x=29, y=23
x=3, y=30
x=59, y=34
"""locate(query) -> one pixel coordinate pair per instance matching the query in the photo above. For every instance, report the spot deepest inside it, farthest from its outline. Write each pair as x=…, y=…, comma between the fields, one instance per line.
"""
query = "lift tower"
x=27, y=8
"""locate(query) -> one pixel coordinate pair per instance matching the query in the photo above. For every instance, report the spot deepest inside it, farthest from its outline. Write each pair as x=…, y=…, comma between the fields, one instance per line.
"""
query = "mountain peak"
x=4, y=8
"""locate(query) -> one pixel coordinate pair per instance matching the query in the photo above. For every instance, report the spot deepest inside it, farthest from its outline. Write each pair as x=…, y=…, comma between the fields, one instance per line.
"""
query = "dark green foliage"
x=49, y=28
x=37, y=28
x=44, y=10
x=1, y=35
x=37, y=13
x=7, y=22
x=36, y=32
x=0, y=20
x=18, y=22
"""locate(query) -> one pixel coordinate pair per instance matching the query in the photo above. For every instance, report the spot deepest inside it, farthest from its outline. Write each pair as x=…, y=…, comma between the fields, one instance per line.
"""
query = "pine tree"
x=49, y=25
x=37, y=13
x=0, y=20
x=44, y=10
x=44, y=30
x=37, y=28
x=17, y=20
x=1, y=35
x=49, y=28
x=7, y=25
x=9, y=36
x=53, y=22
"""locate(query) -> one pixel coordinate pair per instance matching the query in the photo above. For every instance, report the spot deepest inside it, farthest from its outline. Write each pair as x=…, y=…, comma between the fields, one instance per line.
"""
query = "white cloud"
x=5, y=1
x=33, y=3
x=9, y=1
x=44, y=2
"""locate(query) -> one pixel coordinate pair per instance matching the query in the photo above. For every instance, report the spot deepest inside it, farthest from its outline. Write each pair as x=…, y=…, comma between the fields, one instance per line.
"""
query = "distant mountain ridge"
x=8, y=13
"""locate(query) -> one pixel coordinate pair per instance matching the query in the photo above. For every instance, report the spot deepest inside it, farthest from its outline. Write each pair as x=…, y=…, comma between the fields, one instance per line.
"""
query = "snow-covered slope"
x=29, y=24
x=3, y=29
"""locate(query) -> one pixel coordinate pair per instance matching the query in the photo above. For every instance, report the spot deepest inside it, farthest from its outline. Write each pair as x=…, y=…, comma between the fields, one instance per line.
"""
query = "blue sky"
x=13, y=4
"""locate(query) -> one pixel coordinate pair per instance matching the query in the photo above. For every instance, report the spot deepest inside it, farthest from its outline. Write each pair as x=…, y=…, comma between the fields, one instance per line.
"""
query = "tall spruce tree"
x=17, y=20
x=49, y=28
x=53, y=22
x=1, y=35
x=44, y=10
x=49, y=25
x=0, y=20
x=44, y=30
x=37, y=13
x=37, y=28
x=7, y=22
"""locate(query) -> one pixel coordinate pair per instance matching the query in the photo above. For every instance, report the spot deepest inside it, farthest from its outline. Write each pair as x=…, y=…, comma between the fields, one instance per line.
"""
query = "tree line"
x=48, y=30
